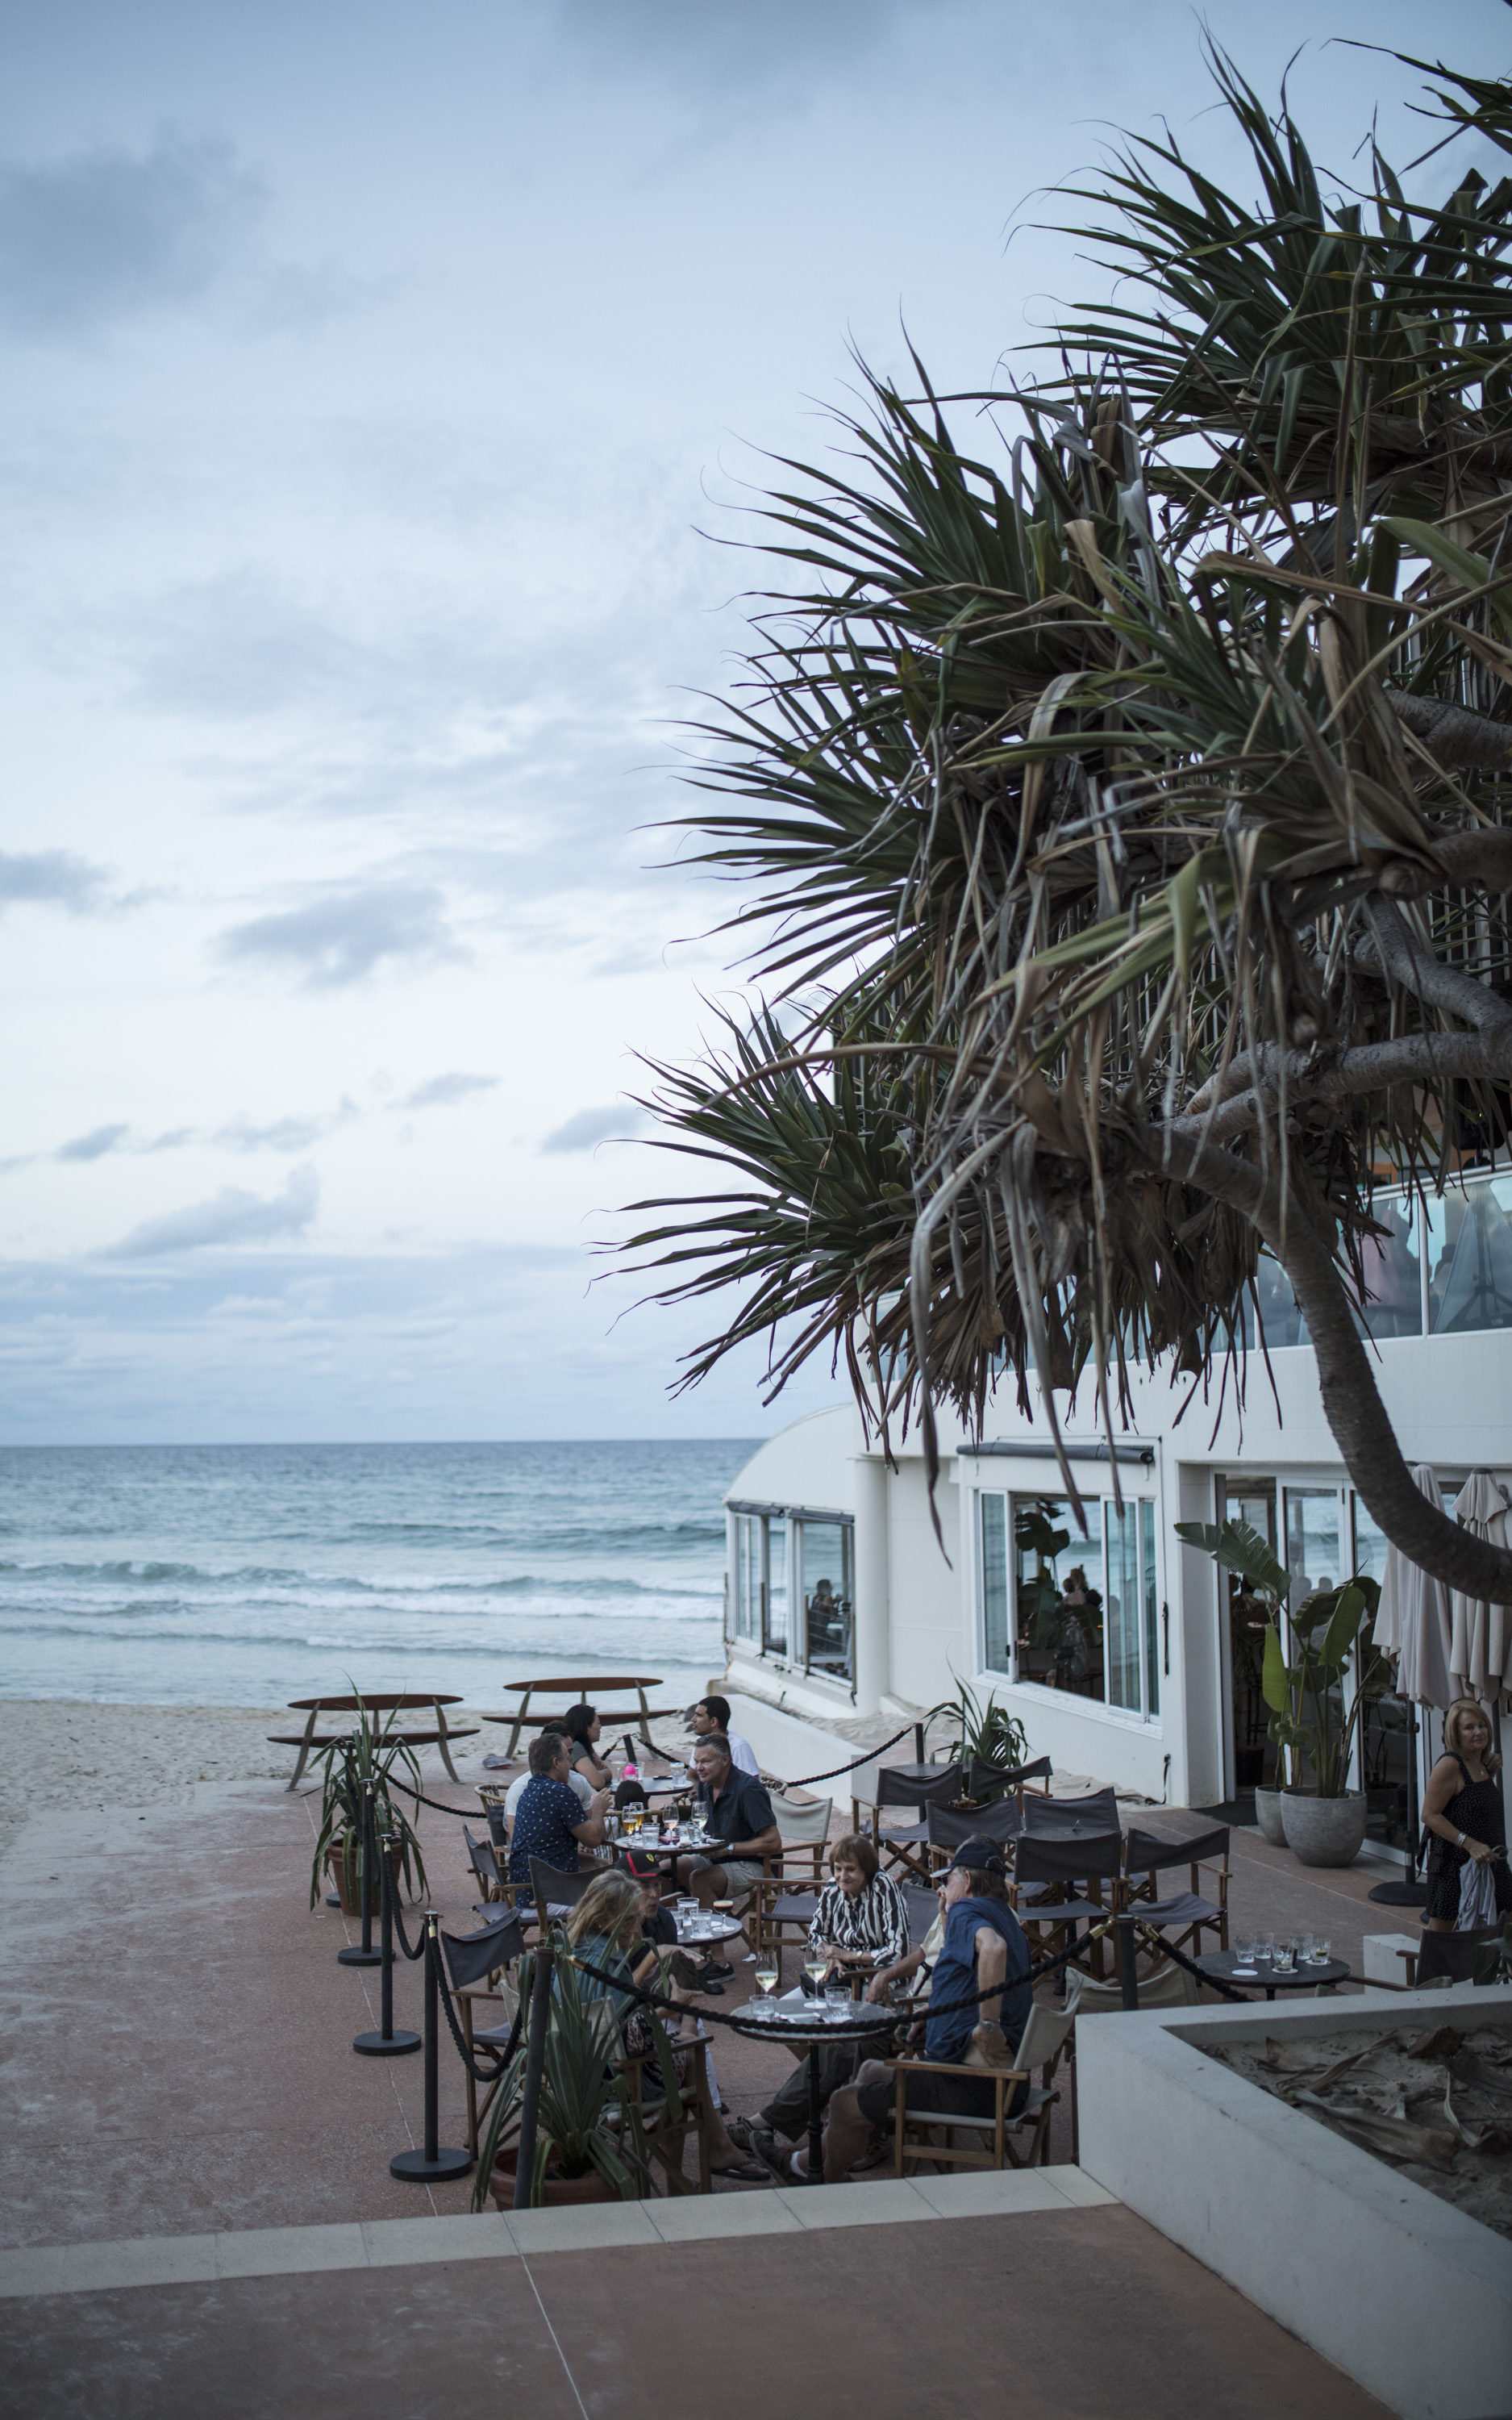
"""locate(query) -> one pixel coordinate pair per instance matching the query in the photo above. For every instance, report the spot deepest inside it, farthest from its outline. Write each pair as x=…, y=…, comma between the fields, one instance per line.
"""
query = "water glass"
x=1264, y=1948
x=1244, y=1952
x=687, y=1912
x=1322, y=1950
x=1286, y=1954
x=1305, y=1948
x=837, y=1999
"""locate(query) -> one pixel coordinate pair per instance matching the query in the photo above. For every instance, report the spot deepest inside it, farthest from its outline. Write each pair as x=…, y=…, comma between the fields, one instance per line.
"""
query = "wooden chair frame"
x=1139, y=1889
x=1035, y=2113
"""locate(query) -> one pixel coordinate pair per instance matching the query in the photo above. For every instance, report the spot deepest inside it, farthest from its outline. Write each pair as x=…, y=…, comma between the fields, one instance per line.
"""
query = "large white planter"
x=1325, y=1831
x=1405, y=2294
x=1268, y=1816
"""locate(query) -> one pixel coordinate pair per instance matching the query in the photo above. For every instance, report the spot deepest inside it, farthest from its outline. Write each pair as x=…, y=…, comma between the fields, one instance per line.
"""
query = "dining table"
x=1263, y=1975
x=810, y=2024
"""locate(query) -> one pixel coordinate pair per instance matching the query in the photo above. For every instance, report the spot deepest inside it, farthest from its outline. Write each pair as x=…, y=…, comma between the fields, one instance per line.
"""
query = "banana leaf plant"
x=586, y=2123
x=1309, y=1723
x=367, y=1754
x=1038, y=1599
x=987, y=1739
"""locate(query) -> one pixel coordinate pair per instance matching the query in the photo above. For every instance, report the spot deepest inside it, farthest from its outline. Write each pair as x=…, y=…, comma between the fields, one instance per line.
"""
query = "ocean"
x=228, y=1575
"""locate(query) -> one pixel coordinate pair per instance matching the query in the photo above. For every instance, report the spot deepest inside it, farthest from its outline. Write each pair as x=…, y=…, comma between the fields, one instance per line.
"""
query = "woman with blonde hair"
x=605, y=1930
x=1462, y=1808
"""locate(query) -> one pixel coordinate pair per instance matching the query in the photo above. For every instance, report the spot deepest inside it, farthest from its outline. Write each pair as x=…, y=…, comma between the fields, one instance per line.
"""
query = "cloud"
x=340, y=939
x=52, y=877
x=95, y=1144
x=590, y=1126
x=233, y=1218
x=88, y=242
x=284, y=1134
x=440, y=1092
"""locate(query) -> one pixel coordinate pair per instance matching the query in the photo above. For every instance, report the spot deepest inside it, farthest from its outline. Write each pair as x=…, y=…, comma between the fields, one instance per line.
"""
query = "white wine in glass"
x=814, y=1963
x=766, y=1975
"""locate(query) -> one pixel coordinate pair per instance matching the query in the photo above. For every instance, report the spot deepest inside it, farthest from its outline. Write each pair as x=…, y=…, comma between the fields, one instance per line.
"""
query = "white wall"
x=926, y=1596
x=807, y=1464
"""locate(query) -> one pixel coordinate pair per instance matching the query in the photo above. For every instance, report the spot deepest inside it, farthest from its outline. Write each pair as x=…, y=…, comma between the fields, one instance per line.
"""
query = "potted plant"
x=1313, y=1812
x=987, y=1740
x=592, y=2142
x=366, y=1755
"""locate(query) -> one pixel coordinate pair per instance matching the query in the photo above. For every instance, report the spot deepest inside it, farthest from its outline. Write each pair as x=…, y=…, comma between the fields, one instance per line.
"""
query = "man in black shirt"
x=739, y=1813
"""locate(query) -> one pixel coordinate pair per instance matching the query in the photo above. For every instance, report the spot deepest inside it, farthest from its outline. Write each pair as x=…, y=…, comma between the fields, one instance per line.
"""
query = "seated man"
x=711, y=1716
x=522, y=1781
x=985, y=1952
x=738, y=1811
x=551, y=1820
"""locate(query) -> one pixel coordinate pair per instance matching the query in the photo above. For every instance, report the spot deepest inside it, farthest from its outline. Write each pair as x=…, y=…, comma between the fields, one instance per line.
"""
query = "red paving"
x=178, y=2060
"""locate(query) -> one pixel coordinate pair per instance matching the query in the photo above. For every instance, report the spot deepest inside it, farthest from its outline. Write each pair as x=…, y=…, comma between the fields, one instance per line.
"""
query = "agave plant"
x=359, y=1759
x=987, y=1738
x=1120, y=820
x=586, y=2124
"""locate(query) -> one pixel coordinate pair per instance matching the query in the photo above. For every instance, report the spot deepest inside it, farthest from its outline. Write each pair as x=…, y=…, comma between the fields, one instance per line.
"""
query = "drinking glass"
x=1305, y=1948
x=815, y=1960
x=767, y=1972
x=1244, y=1952
x=836, y=1998
x=687, y=1912
x=1286, y=1954
x=1264, y=1948
x=1322, y=1949
x=634, y=1818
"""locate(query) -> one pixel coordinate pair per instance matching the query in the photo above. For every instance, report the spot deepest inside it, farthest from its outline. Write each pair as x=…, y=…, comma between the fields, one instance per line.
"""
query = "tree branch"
x=1412, y=963
x=1451, y=733
x=1352, y=1400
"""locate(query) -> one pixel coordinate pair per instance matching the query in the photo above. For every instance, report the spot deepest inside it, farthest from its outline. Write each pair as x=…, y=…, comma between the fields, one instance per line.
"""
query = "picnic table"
x=388, y=1701
x=592, y=1690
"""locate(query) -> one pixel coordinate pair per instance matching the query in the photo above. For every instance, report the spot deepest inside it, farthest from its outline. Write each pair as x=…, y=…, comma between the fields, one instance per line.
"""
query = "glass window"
x=997, y=1636
x=1469, y=1258
x=750, y=1537
x=775, y=1610
x=1152, y=1640
x=1393, y=1270
x=824, y=1560
x=1058, y=1593
x=1125, y=1606
x=1312, y=1555
x=1280, y=1319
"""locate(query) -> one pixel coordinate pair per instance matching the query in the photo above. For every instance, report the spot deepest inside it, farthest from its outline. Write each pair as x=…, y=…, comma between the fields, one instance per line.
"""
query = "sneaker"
x=725, y=1974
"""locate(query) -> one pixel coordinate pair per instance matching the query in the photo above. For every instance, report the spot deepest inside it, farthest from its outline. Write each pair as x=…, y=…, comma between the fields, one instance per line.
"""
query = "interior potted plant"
x=367, y=1753
x=592, y=2142
x=1313, y=1812
x=986, y=1740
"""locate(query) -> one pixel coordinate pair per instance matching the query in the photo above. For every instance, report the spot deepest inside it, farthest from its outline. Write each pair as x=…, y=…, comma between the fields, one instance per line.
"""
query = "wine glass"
x=767, y=1972
x=816, y=1962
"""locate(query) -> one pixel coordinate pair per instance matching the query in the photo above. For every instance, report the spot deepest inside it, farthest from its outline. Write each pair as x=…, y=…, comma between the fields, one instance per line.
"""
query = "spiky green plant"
x=1122, y=820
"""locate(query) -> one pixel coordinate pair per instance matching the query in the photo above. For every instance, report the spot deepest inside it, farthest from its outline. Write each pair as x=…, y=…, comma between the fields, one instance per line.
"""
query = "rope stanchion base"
x=414, y=2169
x=358, y=1956
x=392, y=2046
x=1399, y=1894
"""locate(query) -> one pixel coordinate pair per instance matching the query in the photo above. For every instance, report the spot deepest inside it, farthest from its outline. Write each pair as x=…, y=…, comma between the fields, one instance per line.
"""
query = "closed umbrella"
x=1413, y=1625
x=1480, y=1645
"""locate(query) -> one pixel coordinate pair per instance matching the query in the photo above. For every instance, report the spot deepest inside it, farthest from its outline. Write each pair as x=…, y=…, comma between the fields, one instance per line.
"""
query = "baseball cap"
x=978, y=1857
x=641, y=1868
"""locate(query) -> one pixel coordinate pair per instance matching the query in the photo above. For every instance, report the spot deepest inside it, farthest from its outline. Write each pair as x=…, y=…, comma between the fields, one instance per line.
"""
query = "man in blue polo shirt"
x=551, y=1819
x=985, y=1952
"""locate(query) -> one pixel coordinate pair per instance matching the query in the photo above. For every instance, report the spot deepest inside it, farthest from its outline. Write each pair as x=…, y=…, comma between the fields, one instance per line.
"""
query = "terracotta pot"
x=349, y=1892
x=1268, y=1816
x=560, y=2193
x=1325, y=1831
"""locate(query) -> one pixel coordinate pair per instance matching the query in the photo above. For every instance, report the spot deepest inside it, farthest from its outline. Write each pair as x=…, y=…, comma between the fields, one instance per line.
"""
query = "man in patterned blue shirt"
x=551, y=1819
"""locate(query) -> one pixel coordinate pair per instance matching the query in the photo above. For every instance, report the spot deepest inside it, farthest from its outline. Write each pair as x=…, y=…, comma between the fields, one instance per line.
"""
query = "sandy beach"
x=66, y=1753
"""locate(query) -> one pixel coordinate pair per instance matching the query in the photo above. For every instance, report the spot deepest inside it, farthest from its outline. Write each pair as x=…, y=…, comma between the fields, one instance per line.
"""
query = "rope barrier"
x=809, y=1778
x=465, y=1814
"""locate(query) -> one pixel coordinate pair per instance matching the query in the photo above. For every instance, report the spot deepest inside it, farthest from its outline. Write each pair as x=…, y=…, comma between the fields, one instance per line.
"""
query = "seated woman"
x=583, y=1726
x=605, y=1931
x=860, y=1920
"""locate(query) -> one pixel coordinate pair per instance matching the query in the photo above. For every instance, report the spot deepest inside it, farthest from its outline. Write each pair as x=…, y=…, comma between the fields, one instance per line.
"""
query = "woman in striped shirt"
x=860, y=1916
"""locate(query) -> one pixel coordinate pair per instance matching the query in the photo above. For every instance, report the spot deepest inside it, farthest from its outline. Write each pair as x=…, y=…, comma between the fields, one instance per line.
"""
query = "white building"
x=1165, y=1706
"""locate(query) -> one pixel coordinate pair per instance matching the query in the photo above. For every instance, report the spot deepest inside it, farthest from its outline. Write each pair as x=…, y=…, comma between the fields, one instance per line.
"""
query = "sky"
x=386, y=394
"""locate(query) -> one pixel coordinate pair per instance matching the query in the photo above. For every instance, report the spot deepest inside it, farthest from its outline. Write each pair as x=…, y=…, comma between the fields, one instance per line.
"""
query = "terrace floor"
x=181, y=2096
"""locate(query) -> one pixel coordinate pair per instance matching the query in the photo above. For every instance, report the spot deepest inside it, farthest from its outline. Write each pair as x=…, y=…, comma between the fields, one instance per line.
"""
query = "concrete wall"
x=1405, y=2294
x=927, y=1597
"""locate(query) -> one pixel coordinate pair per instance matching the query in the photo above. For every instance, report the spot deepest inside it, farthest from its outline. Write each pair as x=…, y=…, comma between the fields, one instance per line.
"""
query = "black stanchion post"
x=365, y=1955
x=432, y=2166
x=1128, y=1979
x=918, y=1742
x=386, y=2044
x=535, y=2065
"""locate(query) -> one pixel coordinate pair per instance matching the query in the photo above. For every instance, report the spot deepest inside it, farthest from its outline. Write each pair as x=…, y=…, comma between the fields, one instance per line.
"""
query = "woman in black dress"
x=1462, y=1808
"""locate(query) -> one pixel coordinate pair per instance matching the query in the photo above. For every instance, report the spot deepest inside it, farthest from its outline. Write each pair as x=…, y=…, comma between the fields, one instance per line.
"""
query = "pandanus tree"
x=1118, y=809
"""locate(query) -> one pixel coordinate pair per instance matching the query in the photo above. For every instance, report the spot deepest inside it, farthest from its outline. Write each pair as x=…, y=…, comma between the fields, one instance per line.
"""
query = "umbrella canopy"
x=1412, y=1622
x=1480, y=1643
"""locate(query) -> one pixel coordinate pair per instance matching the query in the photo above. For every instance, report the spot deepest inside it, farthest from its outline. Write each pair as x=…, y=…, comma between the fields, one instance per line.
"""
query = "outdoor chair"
x=474, y=1963
x=697, y=2107
x=1049, y=1876
x=949, y=1828
x=485, y=1864
x=556, y=1893
x=1040, y=2045
x=905, y=1845
x=1448, y=1957
x=992, y=1778
x=1186, y=1914
x=783, y=1896
x=1055, y=1819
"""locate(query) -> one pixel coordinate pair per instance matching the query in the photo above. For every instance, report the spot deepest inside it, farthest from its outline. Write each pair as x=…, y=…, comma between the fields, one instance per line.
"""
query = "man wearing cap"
x=984, y=1951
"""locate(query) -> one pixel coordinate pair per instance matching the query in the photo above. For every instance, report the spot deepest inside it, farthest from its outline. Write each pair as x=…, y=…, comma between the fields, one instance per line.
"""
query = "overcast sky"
x=371, y=373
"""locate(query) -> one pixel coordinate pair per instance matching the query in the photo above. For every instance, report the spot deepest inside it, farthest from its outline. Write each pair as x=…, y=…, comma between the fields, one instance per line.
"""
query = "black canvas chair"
x=991, y=1778
x=551, y=1890
x=1185, y=1913
x=474, y=1962
x=904, y=1846
x=1059, y=1819
x=951, y=1829
x=992, y=2141
x=1058, y=1885
x=1448, y=1957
